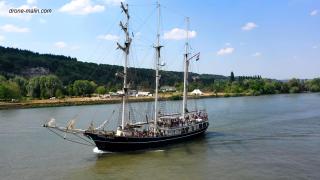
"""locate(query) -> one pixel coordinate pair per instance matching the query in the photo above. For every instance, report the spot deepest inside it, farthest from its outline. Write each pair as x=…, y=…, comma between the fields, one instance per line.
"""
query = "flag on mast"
x=198, y=56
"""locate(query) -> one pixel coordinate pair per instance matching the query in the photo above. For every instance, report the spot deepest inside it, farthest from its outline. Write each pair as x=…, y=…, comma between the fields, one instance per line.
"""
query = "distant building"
x=114, y=93
x=143, y=93
x=120, y=92
x=131, y=92
x=168, y=89
x=196, y=92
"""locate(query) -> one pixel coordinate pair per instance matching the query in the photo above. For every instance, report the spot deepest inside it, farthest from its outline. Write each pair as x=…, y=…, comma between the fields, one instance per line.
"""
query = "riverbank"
x=77, y=101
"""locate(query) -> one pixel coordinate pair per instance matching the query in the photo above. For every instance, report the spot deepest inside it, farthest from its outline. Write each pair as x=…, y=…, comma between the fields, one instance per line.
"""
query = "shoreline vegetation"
x=48, y=90
x=78, y=101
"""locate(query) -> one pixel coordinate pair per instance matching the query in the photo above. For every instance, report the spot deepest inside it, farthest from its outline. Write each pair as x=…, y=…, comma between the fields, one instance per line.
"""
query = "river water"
x=265, y=137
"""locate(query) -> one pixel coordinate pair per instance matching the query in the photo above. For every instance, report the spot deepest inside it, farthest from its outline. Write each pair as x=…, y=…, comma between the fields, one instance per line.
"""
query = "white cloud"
x=113, y=2
x=13, y=28
x=178, y=34
x=314, y=12
x=81, y=7
x=108, y=37
x=256, y=54
x=64, y=45
x=60, y=45
x=225, y=51
x=31, y=1
x=249, y=26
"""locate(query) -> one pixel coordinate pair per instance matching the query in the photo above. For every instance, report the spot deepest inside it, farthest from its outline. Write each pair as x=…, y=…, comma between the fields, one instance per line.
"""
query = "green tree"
x=232, y=77
x=33, y=87
x=269, y=87
x=9, y=90
x=2, y=79
x=69, y=90
x=219, y=86
x=43, y=86
x=295, y=85
x=313, y=85
x=22, y=83
x=59, y=93
x=83, y=87
x=101, y=90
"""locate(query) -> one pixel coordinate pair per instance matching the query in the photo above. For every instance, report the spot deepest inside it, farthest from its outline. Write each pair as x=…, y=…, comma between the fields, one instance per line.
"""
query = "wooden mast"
x=157, y=63
x=186, y=69
x=125, y=49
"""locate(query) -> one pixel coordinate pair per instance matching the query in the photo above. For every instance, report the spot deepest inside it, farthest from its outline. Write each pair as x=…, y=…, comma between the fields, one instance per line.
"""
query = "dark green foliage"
x=232, y=77
x=2, y=79
x=22, y=83
x=25, y=63
x=9, y=90
x=295, y=86
x=101, y=90
x=83, y=87
x=59, y=93
x=43, y=86
x=219, y=86
x=313, y=85
x=175, y=97
x=258, y=86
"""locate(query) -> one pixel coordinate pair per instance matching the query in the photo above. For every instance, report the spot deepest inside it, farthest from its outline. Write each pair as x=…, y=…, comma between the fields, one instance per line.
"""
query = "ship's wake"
x=98, y=151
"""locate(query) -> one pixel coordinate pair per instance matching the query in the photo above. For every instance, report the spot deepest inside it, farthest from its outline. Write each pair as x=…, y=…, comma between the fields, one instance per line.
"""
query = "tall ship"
x=160, y=130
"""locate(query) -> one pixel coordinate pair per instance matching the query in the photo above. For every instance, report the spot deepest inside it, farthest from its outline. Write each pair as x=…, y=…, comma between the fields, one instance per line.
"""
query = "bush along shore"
x=48, y=90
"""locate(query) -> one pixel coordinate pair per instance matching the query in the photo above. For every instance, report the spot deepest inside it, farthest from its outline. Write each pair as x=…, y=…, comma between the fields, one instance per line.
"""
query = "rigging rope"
x=59, y=135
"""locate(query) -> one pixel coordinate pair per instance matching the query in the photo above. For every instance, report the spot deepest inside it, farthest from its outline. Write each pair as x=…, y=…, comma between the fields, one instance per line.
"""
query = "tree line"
x=27, y=64
x=44, y=87
x=255, y=85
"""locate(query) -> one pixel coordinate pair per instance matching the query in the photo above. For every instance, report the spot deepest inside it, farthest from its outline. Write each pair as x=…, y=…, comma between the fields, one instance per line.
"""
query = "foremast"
x=125, y=48
x=186, y=69
x=157, y=63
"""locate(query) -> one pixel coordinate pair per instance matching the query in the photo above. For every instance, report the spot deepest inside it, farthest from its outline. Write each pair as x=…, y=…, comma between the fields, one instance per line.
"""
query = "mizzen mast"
x=125, y=49
x=157, y=63
x=186, y=69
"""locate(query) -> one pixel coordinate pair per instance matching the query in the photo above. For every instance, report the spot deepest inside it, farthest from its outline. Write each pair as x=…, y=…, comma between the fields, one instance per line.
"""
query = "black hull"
x=121, y=144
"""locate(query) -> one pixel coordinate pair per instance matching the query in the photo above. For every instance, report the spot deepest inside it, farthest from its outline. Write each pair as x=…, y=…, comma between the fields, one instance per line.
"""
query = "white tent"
x=196, y=92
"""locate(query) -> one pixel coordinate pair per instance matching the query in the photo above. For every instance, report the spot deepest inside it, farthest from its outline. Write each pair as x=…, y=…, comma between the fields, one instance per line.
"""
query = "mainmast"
x=125, y=49
x=157, y=59
x=186, y=69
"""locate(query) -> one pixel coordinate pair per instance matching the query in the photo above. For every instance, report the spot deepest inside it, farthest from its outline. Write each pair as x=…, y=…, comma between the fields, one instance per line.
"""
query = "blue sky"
x=272, y=38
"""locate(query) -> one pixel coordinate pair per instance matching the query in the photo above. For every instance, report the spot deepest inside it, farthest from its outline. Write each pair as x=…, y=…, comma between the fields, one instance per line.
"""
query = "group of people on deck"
x=169, y=122
x=180, y=122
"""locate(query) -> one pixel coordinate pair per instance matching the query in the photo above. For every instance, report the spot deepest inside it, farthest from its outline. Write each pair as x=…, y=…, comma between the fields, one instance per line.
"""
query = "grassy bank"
x=76, y=101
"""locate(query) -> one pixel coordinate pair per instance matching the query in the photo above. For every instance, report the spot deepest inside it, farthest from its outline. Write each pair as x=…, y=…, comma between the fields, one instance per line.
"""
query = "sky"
x=272, y=38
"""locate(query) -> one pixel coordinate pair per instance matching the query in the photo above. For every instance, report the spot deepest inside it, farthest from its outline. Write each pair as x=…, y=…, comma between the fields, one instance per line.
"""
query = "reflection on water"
x=266, y=137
